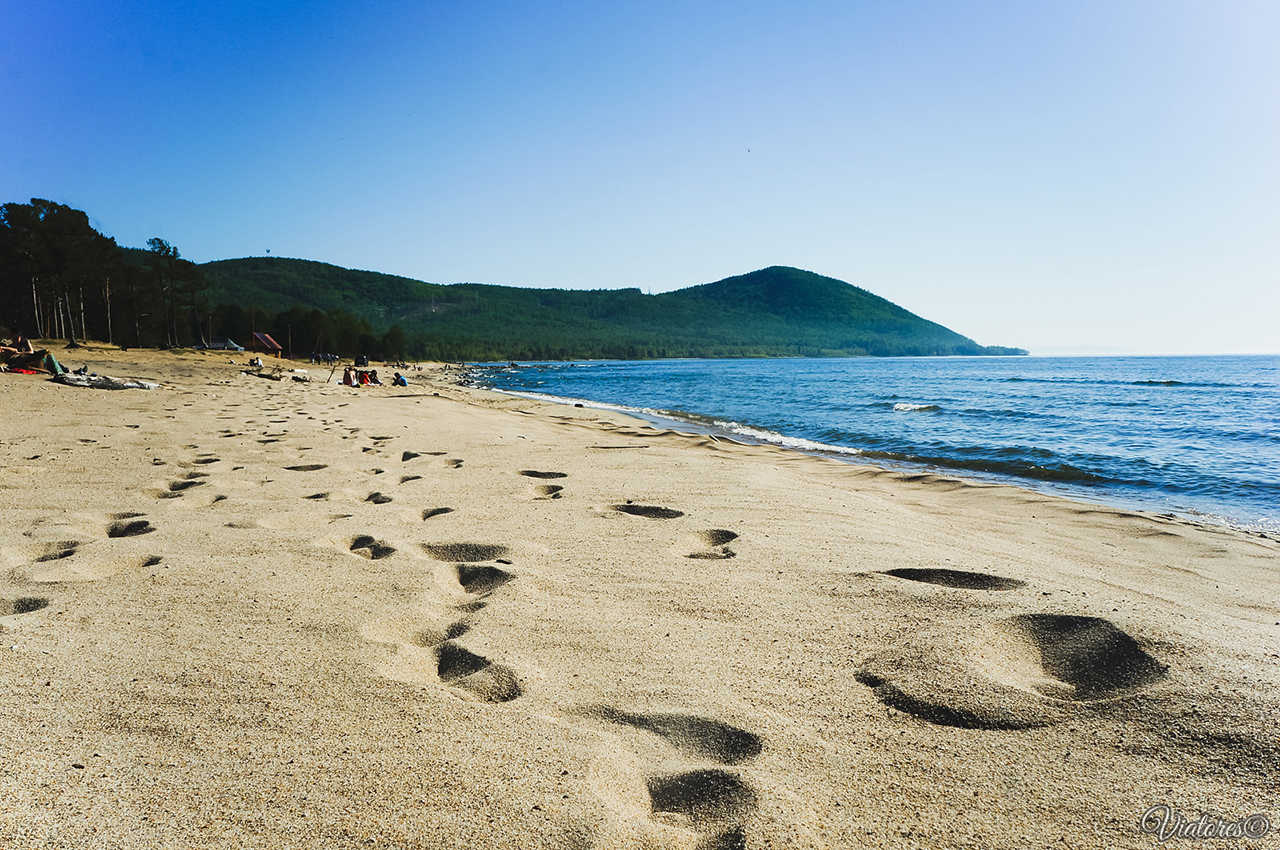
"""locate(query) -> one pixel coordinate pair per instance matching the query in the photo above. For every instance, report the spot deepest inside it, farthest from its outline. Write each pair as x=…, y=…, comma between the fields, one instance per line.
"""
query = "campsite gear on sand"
x=103, y=382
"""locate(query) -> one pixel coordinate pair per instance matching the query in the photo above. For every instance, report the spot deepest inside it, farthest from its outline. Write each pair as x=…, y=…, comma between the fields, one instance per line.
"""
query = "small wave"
x=763, y=435
x=909, y=407
x=1141, y=383
x=1061, y=472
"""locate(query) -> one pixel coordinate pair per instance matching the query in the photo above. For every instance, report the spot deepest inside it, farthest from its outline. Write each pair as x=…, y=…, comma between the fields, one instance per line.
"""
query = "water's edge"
x=696, y=423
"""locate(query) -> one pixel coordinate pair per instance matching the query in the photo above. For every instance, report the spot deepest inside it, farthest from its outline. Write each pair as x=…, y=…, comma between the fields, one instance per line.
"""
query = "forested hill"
x=778, y=311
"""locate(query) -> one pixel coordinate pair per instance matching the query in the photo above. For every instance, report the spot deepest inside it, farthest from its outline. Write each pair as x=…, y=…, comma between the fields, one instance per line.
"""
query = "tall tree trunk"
x=84, y=330
x=106, y=294
x=70, y=325
x=35, y=308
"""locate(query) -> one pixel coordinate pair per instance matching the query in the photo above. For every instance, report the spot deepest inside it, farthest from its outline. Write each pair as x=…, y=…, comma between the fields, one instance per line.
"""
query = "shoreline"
x=747, y=434
x=241, y=612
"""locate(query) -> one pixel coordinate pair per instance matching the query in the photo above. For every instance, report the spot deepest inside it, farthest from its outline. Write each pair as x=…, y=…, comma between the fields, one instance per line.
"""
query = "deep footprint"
x=734, y=838
x=377, y=498
x=1092, y=657
x=648, y=511
x=533, y=473
x=129, y=528
x=482, y=579
x=57, y=551
x=548, y=491
x=307, y=467
x=430, y=512
x=702, y=795
x=717, y=536
x=22, y=605
x=956, y=578
x=464, y=669
x=375, y=550
x=700, y=737
x=721, y=554
x=431, y=637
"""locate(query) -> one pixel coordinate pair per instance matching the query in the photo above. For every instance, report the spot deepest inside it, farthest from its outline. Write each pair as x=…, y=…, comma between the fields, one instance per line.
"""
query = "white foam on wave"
x=908, y=407
x=595, y=405
x=762, y=435
x=723, y=426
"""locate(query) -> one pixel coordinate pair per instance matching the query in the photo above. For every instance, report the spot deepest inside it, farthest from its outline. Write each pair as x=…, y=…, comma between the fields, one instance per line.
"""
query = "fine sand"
x=244, y=613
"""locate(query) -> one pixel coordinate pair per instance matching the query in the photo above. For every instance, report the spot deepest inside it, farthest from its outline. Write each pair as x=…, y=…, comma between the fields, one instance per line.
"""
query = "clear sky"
x=1079, y=176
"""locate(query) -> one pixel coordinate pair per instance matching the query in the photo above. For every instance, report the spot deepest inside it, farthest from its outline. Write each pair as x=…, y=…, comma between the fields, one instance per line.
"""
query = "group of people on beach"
x=352, y=377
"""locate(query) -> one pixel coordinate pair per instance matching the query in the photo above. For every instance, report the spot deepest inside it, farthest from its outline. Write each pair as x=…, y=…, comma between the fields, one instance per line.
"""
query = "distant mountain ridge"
x=776, y=311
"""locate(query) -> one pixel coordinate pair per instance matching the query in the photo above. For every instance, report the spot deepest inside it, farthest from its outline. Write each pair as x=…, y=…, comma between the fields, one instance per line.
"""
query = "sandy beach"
x=248, y=613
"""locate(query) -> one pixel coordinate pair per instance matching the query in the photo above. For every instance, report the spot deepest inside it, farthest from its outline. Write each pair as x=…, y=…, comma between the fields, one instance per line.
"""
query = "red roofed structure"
x=264, y=343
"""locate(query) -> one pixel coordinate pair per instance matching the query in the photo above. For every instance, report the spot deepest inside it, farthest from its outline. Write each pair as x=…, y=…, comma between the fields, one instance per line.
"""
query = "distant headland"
x=60, y=277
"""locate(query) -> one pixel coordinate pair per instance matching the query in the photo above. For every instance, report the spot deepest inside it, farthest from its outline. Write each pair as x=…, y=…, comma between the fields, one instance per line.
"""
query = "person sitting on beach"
x=373, y=377
x=399, y=381
x=348, y=380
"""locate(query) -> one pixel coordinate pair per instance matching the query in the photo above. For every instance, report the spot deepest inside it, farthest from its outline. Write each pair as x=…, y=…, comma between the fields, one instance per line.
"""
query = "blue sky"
x=1071, y=177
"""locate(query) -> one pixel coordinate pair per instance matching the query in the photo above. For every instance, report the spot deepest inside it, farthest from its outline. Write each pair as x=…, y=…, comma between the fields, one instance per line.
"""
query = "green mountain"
x=778, y=311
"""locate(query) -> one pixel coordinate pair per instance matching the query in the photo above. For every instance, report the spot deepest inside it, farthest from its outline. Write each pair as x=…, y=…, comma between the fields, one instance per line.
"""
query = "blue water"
x=1188, y=435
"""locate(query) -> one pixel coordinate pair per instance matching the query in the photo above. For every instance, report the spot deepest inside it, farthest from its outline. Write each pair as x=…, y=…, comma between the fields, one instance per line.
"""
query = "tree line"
x=61, y=278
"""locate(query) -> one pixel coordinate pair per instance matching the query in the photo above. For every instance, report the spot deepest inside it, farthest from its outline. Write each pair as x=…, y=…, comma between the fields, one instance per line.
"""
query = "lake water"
x=1190, y=435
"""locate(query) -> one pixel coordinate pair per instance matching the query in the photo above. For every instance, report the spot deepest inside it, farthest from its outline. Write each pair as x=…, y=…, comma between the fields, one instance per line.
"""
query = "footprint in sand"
x=714, y=801
x=405, y=479
x=366, y=546
x=956, y=578
x=647, y=511
x=697, y=737
x=22, y=605
x=409, y=456
x=454, y=463
x=433, y=512
x=1023, y=672
x=533, y=473
x=428, y=638
x=548, y=491
x=462, y=668
x=58, y=550
x=716, y=540
x=176, y=488
x=129, y=525
x=377, y=498
x=306, y=467
x=709, y=798
x=481, y=580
